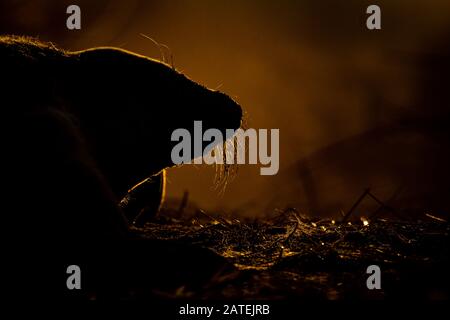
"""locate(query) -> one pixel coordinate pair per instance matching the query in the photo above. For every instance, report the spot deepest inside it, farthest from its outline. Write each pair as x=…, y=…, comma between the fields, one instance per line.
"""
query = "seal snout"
x=228, y=111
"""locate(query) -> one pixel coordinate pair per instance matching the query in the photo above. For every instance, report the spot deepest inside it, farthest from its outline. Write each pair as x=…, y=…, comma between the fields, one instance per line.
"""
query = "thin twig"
x=364, y=194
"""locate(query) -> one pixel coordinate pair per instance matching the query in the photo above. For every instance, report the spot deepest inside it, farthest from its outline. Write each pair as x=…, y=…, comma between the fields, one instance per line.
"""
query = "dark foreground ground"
x=290, y=256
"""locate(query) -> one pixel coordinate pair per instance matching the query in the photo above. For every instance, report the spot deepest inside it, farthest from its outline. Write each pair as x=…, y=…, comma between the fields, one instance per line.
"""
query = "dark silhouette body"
x=81, y=129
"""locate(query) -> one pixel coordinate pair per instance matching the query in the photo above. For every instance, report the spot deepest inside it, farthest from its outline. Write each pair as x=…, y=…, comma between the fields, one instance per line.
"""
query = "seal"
x=82, y=128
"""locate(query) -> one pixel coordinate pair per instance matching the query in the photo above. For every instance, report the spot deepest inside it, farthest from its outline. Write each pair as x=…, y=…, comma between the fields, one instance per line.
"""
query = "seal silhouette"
x=80, y=130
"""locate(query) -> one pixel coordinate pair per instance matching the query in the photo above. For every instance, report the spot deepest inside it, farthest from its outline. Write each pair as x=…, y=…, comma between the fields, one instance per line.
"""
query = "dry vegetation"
x=292, y=256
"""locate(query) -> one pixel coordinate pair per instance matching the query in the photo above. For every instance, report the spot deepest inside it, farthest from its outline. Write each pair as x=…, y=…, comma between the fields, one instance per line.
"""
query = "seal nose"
x=230, y=112
x=237, y=114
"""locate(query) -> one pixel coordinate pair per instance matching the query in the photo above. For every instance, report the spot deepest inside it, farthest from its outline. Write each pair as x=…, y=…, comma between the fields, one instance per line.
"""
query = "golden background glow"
x=312, y=70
